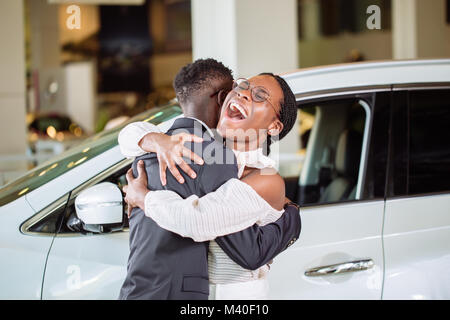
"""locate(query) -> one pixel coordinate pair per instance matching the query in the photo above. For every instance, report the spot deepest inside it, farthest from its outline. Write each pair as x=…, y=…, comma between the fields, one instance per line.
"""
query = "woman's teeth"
x=236, y=107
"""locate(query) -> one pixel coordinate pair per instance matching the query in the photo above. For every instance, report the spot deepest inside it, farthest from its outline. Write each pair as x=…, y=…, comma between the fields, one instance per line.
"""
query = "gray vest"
x=162, y=264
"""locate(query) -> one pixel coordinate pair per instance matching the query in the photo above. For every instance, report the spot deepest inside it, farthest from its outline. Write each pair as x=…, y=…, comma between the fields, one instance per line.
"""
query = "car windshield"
x=75, y=156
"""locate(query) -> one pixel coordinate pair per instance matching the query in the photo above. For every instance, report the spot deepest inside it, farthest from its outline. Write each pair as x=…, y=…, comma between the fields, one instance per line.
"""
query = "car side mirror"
x=99, y=205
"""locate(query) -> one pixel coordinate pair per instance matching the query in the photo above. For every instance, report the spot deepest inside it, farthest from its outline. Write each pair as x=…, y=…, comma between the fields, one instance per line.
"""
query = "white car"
x=374, y=190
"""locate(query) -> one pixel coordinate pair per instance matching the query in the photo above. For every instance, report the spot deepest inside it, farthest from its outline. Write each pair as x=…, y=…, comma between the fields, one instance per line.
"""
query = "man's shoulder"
x=211, y=149
x=213, y=152
x=145, y=156
x=187, y=125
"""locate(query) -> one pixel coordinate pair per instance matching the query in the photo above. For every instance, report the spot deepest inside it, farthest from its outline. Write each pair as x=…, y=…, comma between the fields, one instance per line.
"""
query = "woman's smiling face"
x=241, y=117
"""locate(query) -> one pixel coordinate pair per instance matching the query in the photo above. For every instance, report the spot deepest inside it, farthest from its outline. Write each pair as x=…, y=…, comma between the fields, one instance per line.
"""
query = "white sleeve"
x=233, y=207
x=130, y=136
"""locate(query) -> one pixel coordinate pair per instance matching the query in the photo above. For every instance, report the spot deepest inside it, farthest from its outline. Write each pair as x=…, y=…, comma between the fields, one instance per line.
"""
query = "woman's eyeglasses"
x=259, y=94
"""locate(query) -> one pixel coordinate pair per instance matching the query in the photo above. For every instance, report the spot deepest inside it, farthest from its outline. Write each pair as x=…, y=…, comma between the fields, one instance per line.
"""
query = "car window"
x=75, y=156
x=64, y=208
x=429, y=145
x=375, y=175
x=334, y=149
x=398, y=146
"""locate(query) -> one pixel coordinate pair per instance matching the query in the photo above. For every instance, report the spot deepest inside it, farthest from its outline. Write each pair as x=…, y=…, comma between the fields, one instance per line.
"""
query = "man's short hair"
x=193, y=78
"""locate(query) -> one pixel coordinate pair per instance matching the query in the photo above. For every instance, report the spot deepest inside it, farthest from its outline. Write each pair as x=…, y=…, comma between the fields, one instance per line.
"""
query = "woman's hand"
x=170, y=151
x=136, y=190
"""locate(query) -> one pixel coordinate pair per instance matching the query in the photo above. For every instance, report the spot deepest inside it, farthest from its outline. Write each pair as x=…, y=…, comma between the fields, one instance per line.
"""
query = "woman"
x=253, y=111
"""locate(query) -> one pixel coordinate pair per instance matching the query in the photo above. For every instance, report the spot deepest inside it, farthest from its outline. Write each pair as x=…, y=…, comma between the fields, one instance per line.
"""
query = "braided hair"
x=288, y=110
x=193, y=77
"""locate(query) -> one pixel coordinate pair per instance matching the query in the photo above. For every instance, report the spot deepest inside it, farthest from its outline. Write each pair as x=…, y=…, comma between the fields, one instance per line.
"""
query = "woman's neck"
x=242, y=145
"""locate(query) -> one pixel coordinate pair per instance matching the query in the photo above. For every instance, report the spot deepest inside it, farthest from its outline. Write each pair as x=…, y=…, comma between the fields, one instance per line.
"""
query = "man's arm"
x=257, y=245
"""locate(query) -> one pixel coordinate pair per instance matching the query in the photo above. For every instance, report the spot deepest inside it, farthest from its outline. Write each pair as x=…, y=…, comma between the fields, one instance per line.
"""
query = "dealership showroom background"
x=72, y=73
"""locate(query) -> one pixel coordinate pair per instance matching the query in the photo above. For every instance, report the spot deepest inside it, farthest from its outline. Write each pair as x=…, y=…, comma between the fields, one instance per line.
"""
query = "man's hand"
x=169, y=151
x=136, y=190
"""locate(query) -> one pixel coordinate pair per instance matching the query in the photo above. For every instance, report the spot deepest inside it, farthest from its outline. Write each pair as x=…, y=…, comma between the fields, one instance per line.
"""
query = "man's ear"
x=275, y=128
x=221, y=96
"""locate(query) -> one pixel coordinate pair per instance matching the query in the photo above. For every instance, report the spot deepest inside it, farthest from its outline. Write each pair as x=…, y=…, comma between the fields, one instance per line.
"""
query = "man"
x=164, y=265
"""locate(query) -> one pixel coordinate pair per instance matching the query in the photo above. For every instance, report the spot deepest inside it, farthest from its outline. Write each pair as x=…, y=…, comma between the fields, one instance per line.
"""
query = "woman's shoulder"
x=267, y=175
x=269, y=185
x=270, y=175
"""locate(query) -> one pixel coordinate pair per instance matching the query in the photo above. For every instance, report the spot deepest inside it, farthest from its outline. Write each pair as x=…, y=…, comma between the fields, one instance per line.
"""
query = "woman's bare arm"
x=269, y=185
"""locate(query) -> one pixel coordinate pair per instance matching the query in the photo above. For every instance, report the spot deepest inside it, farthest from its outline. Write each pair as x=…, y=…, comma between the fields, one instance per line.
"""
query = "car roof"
x=365, y=74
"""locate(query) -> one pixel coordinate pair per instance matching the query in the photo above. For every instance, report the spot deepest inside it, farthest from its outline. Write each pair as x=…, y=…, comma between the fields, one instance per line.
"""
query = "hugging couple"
x=211, y=229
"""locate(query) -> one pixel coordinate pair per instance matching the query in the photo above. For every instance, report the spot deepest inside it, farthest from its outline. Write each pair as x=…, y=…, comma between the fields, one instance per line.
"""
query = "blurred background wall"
x=13, y=142
x=60, y=84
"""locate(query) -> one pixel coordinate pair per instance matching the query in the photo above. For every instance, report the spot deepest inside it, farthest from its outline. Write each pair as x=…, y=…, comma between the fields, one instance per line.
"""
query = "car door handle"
x=351, y=266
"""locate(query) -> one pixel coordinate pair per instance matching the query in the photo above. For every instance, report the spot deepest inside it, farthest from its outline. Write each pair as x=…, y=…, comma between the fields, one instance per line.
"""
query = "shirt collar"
x=203, y=124
x=253, y=159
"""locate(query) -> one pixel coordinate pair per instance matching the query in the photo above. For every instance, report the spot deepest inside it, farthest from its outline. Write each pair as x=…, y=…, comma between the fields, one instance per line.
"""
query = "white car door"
x=346, y=235
x=22, y=256
x=26, y=229
x=88, y=266
x=339, y=253
x=417, y=218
